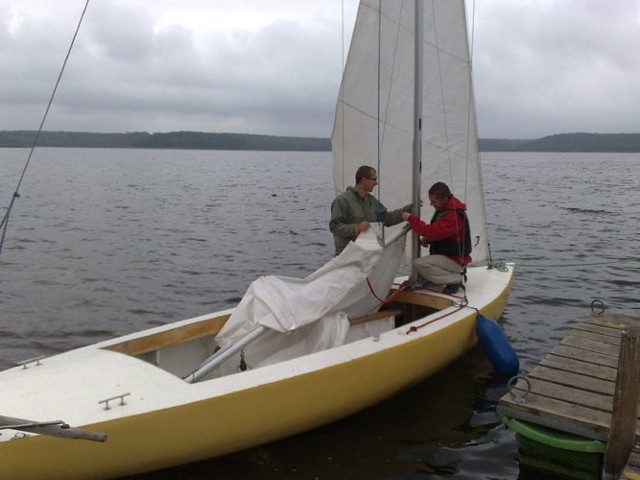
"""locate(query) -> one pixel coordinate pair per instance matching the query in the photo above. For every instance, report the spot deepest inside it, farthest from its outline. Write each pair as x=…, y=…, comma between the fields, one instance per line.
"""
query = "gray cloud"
x=552, y=67
x=273, y=67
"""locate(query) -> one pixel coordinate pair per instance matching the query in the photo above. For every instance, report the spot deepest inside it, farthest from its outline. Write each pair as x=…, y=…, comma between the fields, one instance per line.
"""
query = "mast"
x=417, y=128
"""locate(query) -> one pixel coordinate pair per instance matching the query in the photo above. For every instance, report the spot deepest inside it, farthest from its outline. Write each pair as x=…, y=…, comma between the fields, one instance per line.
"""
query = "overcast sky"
x=273, y=66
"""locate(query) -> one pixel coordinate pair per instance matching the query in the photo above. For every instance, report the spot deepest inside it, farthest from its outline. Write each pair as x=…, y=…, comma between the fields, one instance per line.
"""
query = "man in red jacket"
x=448, y=238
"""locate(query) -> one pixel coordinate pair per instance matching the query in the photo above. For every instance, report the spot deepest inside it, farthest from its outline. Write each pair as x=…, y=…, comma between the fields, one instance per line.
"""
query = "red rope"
x=402, y=286
x=415, y=328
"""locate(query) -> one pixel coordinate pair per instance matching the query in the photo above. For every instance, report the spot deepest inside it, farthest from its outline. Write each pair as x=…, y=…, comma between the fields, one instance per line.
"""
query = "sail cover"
x=313, y=312
x=374, y=116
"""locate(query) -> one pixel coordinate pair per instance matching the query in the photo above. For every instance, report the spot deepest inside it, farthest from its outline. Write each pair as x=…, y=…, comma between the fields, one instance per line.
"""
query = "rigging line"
x=5, y=220
x=341, y=100
x=55, y=88
x=438, y=49
x=392, y=69
x=469, y=147
x=342, y=37
x=378, y=105
x=473, y=28
x=444, y=115
x=378, y=90
x=378, y=113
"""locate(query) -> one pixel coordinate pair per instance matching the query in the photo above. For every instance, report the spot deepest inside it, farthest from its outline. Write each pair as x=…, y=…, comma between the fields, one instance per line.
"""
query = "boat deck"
x=572, y=388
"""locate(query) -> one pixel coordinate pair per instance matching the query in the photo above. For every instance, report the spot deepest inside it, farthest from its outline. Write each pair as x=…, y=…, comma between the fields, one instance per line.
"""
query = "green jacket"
x=349, y=209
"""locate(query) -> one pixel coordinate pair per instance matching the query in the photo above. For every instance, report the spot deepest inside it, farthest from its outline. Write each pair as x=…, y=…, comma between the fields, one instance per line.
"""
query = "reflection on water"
x=106, y=242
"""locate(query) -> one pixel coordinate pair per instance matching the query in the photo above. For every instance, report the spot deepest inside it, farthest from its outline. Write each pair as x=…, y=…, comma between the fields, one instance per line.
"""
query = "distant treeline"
x=171, y=140
x=566, y=142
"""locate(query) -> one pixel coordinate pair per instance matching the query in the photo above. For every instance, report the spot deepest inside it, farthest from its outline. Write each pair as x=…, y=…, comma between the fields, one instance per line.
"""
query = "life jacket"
x=451, y=247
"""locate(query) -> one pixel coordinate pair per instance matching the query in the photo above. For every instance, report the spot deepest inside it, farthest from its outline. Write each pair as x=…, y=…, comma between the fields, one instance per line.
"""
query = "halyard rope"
x=5, y=220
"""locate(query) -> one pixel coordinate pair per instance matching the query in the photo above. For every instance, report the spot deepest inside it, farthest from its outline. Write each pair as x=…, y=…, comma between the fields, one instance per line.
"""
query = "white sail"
x=374, y=116
x=313, y=312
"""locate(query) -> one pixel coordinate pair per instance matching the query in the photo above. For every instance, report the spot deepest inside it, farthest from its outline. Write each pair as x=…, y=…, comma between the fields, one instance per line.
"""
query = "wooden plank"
x=576, y=396
x=590, y=345
x=596, y=337
x=422, y=298
x=373, y=316
x=625, y=404
x=612, y=320
x=573, y=380
x=560, y=415
x=590, y=327
x=634, y=459
x=578, y=366
x=185, y=333
x=569, y=351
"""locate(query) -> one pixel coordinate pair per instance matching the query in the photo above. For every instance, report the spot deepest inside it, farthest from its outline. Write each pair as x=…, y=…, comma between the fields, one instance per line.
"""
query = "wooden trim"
x=211, y=326
x=422, y=298
x=185, y=333
x=373, y=316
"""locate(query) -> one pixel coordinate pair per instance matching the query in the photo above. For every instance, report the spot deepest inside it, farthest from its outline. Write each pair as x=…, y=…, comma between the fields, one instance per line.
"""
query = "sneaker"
x=415, y=285
x=452, y=288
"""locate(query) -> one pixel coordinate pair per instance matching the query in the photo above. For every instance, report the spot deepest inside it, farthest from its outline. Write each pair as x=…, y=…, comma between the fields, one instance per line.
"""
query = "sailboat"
x=295, y=353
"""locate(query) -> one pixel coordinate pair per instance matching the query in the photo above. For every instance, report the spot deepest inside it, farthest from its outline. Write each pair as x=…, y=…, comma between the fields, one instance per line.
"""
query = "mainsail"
x=374, y=117
x=374, y=126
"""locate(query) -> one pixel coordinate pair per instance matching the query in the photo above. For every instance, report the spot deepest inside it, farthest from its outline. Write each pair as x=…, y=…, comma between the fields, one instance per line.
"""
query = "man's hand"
x=363, y=226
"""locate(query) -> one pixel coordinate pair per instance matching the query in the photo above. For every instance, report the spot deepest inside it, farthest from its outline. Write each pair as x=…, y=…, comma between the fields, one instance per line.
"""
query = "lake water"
x=106, y=242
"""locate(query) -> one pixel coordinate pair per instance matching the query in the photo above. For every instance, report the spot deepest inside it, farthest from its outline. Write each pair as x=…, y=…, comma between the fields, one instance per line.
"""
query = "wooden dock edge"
x=605, y=351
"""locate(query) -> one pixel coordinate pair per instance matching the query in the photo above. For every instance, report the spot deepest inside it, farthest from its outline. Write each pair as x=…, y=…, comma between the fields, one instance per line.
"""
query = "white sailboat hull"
x=167, y=421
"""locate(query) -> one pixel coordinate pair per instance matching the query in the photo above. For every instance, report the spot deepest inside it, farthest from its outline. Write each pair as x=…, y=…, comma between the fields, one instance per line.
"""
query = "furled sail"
x=374, y=116
x=313, y=312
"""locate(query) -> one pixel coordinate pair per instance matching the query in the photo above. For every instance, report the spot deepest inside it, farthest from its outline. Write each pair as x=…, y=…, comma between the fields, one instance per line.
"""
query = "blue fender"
x=497, y=346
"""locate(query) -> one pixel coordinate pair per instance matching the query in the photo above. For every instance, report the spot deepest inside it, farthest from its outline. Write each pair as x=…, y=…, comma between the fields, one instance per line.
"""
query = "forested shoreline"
x=566, y=142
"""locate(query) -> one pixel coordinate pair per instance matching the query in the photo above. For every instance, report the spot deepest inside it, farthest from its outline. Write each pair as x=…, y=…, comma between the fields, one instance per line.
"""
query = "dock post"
x=625, y=405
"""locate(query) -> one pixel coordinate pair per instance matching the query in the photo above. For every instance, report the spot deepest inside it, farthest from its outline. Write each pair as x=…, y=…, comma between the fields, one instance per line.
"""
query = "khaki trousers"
x=438, y=269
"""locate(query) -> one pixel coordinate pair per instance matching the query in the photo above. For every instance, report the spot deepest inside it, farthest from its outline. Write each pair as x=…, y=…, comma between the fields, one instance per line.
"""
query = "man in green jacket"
x=353, y=210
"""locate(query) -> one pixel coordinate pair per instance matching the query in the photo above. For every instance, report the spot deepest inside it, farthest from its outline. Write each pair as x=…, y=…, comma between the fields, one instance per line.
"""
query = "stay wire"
x=378, y=106
x=5, y=220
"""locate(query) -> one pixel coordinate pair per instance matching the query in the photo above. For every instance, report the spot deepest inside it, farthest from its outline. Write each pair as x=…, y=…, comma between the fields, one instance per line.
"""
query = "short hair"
x=364, y=171
x=440, y=190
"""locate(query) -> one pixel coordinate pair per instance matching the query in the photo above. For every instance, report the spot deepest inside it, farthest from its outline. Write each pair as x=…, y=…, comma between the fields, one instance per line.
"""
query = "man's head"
x=366, y=178
x=439, y=195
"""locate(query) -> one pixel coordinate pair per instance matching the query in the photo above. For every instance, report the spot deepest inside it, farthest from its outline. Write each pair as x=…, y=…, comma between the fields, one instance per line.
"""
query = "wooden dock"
x=572, y=389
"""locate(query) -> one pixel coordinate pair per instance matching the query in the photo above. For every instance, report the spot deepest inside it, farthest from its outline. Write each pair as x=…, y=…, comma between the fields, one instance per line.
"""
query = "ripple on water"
x=102, y=259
